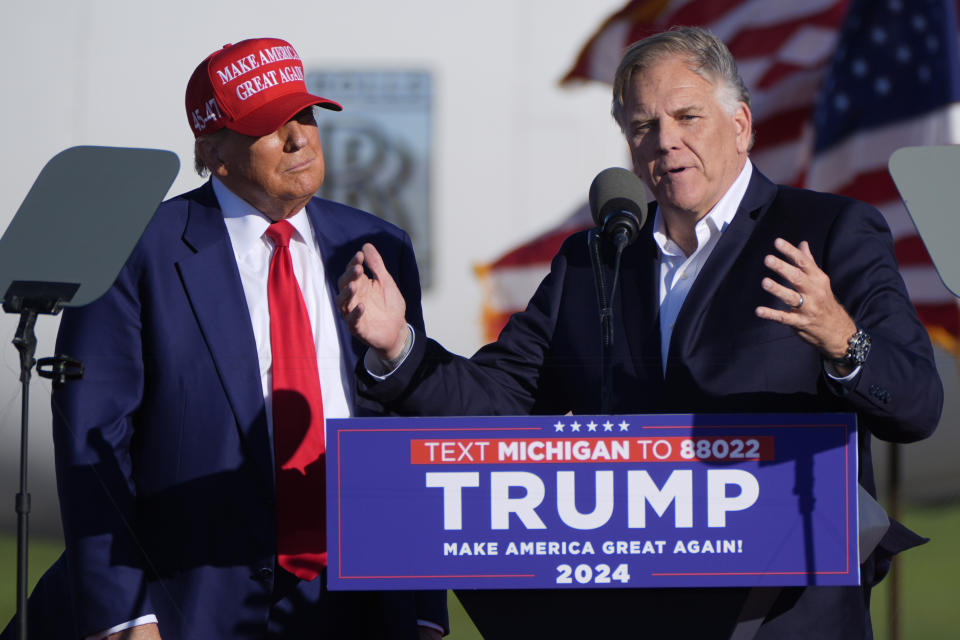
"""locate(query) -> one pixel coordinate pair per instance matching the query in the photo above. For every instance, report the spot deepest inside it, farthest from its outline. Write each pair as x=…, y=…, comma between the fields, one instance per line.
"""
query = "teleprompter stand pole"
x=29, y=299
x=65, y=246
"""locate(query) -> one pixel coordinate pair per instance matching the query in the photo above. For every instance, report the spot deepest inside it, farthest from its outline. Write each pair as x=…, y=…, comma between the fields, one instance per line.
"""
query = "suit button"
x=880, y=393
x=263, y=573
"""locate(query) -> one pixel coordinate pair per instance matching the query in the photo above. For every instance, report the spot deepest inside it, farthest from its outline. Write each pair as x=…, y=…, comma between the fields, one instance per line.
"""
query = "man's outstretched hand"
x=372, y=306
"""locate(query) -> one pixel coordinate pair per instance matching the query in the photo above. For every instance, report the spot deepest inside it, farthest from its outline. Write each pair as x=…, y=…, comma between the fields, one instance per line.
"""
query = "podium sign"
x=592, y=501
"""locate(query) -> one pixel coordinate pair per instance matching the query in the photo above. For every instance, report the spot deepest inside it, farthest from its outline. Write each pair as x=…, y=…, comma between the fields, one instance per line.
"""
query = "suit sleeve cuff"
x=381, y=369
x=431, y=625
x=845, y=382
x=136, y=622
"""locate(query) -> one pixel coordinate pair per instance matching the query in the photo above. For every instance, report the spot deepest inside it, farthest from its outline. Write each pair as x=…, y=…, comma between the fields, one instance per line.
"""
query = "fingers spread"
x=769, y=314
x=788, y=318
x=792, y=253
x=370, y=301
x=786, y=295
x=351, y=284
x=353, y=270
x=787, y=271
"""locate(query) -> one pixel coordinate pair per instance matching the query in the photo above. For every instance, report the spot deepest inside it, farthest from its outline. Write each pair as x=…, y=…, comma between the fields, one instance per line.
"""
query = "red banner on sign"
x=573, y=450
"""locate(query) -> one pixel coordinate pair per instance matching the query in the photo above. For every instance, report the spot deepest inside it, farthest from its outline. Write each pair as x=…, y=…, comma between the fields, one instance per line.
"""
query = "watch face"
x=859, y=347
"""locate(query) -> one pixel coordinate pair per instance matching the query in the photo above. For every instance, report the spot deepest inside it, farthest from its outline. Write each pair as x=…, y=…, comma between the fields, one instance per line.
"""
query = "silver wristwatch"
x=858, y=347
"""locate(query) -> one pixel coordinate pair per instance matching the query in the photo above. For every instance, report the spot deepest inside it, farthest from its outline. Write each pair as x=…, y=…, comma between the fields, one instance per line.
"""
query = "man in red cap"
x=190, y=457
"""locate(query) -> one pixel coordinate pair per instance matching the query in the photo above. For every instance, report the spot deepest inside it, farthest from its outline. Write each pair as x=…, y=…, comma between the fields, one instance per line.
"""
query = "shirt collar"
x=247, y=225
x=716, y=220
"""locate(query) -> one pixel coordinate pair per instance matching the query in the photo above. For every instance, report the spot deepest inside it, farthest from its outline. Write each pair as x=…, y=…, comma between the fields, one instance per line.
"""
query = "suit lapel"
x=639, y=293
x=212, y=284
x=757, y=199
x=336, y=248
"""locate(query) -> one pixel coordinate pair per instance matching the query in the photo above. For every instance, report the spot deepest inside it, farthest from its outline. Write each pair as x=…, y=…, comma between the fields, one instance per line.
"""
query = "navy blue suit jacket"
x=163, y=452
x=722, y=358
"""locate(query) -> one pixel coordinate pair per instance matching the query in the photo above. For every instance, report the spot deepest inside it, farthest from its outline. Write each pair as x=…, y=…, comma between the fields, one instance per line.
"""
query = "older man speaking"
x=740, y=295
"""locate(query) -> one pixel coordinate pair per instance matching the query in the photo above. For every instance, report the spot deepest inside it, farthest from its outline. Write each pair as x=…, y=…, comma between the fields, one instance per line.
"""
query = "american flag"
x=836, y=87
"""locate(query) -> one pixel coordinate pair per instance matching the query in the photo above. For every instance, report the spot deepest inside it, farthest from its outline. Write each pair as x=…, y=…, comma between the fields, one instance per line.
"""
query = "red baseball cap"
x=252, y=87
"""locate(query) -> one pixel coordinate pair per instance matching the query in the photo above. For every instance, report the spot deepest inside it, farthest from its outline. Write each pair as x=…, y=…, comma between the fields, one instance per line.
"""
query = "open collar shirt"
x=679, y=271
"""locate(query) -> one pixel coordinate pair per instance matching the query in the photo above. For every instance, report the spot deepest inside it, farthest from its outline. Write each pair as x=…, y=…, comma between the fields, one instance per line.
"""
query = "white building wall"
x=513, y=152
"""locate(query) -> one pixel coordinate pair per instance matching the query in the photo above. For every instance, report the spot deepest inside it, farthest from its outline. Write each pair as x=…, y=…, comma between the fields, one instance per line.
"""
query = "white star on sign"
x=624, y=425
x=608, y=426
x=558, y=426
x=591, y=426
x=575, y=426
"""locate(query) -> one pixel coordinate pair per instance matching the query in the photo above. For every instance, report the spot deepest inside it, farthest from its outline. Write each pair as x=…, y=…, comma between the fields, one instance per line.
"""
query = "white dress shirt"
x=247, y=229
x=678, y=271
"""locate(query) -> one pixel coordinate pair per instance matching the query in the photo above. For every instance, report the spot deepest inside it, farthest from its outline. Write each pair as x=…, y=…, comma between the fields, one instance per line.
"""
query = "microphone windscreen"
x=617, y=190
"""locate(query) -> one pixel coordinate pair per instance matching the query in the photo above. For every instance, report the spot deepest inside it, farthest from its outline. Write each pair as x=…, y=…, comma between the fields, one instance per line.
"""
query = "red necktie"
x=298, y=440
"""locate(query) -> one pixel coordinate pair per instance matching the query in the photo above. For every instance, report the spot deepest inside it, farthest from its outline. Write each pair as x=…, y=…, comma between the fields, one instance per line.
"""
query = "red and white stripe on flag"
x=784, y=51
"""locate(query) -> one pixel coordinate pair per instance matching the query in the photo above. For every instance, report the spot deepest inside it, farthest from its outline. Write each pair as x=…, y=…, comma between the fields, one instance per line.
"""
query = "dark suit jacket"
x=722, y=358
x=163, y=453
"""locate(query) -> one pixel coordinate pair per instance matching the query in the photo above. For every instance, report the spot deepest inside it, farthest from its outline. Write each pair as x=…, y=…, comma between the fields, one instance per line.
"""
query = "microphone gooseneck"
x=618, y=203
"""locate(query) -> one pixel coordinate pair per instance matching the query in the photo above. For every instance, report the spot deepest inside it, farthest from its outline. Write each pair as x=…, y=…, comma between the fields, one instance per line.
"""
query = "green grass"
x=929, y=606
x=42, y=554
x=927, y=575
x=461, y=627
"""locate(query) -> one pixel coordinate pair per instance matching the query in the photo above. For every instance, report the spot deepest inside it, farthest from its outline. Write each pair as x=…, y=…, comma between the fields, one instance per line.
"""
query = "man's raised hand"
x=372, y=305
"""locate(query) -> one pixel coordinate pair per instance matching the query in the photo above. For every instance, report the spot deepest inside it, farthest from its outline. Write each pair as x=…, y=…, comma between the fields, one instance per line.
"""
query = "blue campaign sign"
x=592, y=501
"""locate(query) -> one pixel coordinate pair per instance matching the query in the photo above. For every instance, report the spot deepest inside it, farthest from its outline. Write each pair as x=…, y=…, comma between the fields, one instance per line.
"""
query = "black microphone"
x=618, y=203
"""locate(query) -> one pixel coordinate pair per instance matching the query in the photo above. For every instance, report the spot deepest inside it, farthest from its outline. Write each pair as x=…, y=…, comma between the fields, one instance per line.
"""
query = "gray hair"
x=198, y=164
x=707, y=56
